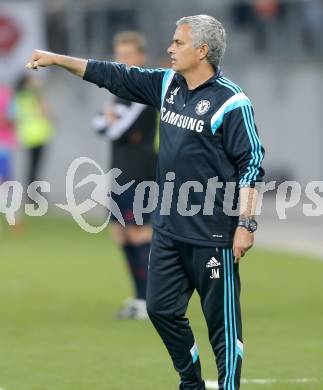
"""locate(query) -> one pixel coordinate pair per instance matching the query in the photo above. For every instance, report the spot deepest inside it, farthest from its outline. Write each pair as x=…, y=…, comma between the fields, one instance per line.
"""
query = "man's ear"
x=204, y=50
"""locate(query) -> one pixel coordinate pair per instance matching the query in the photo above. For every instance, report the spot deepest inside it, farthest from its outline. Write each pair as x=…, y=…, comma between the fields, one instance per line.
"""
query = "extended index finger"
x=33, y=61
x=32, y=65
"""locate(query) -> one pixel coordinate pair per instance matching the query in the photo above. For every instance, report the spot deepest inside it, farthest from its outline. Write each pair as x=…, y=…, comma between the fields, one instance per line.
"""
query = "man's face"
x=128, y=53
x=184, y=56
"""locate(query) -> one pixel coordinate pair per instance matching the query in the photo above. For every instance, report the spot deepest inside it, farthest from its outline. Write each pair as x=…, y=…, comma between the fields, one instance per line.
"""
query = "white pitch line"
x=214, y=384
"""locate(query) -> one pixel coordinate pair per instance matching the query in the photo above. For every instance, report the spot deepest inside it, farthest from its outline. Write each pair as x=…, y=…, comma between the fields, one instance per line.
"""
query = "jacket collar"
x=181, y=80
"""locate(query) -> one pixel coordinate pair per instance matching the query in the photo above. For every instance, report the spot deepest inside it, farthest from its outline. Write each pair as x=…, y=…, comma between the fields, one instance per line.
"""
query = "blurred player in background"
x=33, y=122
x=132, y=128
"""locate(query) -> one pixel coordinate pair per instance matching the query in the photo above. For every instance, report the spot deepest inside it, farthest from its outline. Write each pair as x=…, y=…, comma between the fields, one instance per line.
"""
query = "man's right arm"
x=41, y=58
x=132, y=83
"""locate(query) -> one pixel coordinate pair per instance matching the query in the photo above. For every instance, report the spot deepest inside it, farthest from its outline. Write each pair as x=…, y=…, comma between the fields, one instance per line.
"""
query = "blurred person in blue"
x=208, y=141
x=131, y=127
x=8, y=141
x=33, y=122
x=7, y=134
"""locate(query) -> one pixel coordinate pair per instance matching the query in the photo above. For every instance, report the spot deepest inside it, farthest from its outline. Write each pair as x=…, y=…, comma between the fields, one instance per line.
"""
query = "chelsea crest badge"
x=202, y=107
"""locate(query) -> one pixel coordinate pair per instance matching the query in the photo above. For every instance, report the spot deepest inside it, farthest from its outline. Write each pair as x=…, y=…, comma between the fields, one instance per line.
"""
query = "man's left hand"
x=242, y=242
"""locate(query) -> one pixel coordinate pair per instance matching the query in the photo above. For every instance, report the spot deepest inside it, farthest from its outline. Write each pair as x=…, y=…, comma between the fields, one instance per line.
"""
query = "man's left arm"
x=242, y=143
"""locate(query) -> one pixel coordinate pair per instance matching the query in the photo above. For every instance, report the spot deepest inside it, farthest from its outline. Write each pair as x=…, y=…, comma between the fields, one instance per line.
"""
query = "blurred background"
x=275, y=52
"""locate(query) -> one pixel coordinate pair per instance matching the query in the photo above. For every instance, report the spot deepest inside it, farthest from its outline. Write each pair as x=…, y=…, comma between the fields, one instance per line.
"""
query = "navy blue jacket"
x=205, y=133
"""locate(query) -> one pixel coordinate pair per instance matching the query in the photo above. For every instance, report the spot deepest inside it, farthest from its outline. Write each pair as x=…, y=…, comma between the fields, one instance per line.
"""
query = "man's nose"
x=170, y=50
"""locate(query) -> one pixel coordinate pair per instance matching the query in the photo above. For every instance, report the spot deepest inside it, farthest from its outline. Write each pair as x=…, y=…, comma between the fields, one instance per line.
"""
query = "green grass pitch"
x=60, y=288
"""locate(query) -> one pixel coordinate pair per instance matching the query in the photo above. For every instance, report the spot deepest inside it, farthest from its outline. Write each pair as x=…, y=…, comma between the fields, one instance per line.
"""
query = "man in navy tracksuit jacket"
x=208, y=139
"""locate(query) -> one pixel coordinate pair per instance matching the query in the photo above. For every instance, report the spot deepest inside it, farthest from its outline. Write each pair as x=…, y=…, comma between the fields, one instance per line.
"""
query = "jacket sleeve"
x=132, y=83
x=242, y=144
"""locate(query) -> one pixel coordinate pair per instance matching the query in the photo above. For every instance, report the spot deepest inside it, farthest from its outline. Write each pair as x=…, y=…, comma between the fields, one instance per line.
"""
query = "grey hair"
x=207, y=30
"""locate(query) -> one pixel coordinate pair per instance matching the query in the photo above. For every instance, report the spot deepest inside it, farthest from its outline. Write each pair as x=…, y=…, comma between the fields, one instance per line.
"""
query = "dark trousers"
x=176, y=269
x=35, y=155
